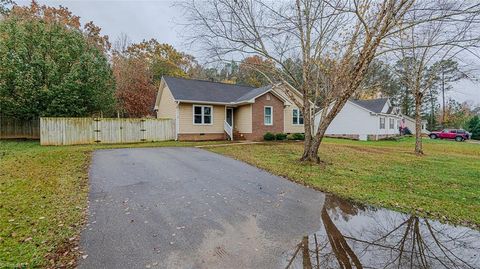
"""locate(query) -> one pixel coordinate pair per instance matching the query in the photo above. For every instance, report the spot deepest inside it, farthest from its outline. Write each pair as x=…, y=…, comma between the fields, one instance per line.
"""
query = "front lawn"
x=43, y=197
x=443, y=184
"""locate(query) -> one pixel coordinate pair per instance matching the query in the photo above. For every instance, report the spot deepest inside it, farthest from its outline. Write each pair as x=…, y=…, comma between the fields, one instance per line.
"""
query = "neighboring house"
x=205, y=110
x=409, y=122
x=367, y=120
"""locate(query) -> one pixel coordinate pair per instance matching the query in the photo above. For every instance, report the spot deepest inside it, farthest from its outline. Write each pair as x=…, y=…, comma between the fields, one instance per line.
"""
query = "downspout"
x=177, y=122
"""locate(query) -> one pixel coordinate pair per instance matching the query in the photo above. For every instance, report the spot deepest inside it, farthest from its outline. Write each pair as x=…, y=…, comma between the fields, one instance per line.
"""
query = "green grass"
x=43, y=190
x=43, y=197
x=443, y=184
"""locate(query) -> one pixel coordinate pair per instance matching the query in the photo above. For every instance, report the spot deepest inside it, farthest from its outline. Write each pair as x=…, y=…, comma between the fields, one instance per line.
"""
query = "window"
x=297, y=117
x=391, y=123
x=382, y=123
x=268, y=115
x=202, y=114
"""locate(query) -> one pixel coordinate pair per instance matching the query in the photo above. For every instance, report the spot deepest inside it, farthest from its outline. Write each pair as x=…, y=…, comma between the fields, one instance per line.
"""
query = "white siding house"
x=410, y=124
x=365, y=120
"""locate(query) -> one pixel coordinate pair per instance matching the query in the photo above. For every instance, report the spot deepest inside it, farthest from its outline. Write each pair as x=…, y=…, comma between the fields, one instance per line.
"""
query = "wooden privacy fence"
x=72, y=131
x=12, y=128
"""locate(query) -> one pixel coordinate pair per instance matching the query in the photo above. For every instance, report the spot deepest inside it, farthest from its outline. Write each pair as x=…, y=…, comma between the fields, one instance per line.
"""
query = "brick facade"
x=258, y=126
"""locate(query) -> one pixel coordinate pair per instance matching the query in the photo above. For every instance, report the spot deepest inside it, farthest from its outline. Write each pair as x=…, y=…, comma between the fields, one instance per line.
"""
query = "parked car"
x=457, y=134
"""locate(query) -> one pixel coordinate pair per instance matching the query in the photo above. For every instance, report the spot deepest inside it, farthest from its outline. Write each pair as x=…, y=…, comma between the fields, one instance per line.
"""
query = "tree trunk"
x=310, y=154
x=418, y=125
x=307, y=144
x=308, y=122
x=310, y=151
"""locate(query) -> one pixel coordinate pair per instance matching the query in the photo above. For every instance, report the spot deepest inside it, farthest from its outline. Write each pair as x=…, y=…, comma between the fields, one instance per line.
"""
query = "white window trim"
x=271, y=115
x=384, y=123
x=298, y=117
x=391, y=123
x=202, y=106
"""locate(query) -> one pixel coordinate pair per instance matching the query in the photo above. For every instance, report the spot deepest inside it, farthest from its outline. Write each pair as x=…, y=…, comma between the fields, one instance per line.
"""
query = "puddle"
x=355, y=236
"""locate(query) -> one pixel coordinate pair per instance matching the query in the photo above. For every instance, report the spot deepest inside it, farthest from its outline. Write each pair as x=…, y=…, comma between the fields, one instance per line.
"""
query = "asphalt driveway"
x=190, y=208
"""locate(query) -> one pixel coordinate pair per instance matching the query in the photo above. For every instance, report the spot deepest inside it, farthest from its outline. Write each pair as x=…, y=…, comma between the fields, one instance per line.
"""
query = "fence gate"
x=71, y=131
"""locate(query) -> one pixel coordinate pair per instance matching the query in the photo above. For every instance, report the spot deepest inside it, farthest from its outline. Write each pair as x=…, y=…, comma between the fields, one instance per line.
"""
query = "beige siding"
x=186, y=120
x=288, y=125
x=167, y=106
x=242, y=119
x=282, y=92
x=288, y=110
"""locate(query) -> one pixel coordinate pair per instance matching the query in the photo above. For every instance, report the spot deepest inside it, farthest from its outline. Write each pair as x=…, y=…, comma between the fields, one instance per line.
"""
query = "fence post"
x=97, y=130
x=142, y=130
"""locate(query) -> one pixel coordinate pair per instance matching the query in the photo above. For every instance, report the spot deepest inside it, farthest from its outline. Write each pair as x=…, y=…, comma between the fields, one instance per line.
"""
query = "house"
x=205, y=110
x=409, y=122
x=368, y=120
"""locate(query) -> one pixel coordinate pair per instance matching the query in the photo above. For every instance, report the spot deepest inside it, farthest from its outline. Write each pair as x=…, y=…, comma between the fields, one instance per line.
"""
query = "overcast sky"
x=160, y=19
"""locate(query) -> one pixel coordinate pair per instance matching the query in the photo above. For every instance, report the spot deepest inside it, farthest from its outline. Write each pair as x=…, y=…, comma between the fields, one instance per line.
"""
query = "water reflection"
x=354, y=236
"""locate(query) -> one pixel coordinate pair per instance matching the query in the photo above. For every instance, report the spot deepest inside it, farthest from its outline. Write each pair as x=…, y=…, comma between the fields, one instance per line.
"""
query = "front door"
x=229, y=116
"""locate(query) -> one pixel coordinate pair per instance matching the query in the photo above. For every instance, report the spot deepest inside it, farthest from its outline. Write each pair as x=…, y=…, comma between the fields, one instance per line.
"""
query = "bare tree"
x=447, y=31
x=121, y=43
x=328, y=45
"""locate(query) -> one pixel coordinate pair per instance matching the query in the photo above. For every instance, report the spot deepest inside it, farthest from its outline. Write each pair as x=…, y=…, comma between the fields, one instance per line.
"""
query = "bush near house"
x=296, y=136
x=281, y=136
x=268, y=136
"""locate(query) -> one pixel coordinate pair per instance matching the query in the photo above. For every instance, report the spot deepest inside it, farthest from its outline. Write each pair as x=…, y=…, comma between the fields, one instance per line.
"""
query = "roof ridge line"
x=209, y=81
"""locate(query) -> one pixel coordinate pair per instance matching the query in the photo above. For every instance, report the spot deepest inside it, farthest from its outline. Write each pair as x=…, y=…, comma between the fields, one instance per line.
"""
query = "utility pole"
x=443, y=97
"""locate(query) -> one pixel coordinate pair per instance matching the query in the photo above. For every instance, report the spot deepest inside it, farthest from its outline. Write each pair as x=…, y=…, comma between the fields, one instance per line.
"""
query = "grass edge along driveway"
x=444, y=184
x=43, y=201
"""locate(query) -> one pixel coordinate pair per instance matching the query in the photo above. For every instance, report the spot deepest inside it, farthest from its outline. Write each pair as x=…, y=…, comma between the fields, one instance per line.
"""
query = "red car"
x=457, y=134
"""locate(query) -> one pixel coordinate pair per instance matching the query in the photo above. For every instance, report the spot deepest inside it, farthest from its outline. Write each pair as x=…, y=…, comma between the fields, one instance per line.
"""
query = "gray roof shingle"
x=374, y=105
x=208, y=91
x=253, y=93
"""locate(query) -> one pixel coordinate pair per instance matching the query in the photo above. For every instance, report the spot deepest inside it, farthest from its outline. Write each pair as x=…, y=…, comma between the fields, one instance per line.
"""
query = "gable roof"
x=252, y=94
x=374, y=105
x=208, y=91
